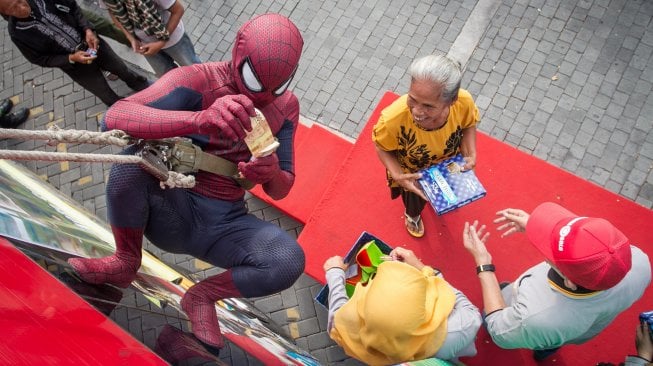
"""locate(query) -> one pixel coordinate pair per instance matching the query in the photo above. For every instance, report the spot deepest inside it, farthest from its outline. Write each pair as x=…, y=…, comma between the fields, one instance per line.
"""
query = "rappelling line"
x=67, y=156
x=54, y=135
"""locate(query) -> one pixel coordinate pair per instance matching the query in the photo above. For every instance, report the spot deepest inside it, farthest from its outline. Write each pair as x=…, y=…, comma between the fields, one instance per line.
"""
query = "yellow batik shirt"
x=415, y=147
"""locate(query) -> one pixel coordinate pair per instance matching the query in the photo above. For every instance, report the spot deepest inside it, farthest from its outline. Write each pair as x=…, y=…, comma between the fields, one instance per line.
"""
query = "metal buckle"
x=154, y=158
x=177, y=154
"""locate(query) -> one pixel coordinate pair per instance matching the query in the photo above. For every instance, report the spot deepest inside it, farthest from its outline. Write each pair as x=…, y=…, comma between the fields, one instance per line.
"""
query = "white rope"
x=64, y=156
x=56, y=135
x=114, y=137
x=178, y=180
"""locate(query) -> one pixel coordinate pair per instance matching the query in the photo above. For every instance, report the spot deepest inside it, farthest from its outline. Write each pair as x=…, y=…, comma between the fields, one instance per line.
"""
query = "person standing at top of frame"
x=434, y=121
x=155, y=30
x=56, y=34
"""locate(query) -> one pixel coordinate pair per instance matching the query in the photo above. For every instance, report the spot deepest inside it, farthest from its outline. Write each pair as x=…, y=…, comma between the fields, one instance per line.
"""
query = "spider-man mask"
x=265, y=57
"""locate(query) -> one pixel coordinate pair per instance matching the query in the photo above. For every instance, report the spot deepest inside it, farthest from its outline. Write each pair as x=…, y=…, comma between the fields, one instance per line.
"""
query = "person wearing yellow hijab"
x=406, y=312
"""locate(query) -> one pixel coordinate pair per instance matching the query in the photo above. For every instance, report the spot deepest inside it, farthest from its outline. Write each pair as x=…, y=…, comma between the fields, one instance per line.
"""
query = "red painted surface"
x=45, y=323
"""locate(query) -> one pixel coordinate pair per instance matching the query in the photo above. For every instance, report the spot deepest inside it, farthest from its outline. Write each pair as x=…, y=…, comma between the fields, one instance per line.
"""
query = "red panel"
x=44, y=322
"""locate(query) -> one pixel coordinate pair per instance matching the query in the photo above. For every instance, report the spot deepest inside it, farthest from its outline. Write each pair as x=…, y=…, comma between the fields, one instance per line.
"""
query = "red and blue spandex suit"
x=212, y=103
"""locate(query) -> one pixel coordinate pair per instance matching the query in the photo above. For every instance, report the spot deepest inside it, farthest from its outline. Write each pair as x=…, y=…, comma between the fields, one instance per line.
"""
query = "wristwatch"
x=485, y=268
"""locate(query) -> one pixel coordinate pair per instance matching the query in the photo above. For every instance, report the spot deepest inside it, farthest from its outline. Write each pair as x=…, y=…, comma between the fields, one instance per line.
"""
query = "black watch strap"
x=485, y=268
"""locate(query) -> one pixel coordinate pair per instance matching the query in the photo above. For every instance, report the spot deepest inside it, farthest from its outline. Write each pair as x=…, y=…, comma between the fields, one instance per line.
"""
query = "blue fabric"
x=182, y=99
x=179, y=99
x=285, y=150
x=264, y=259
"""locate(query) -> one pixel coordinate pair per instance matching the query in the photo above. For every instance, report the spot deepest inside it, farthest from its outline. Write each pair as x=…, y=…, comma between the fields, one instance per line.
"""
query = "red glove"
x=229, y=115
x=260, y=170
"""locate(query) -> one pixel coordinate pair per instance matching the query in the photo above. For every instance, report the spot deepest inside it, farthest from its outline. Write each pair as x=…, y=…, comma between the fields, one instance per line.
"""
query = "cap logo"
x=564, y=232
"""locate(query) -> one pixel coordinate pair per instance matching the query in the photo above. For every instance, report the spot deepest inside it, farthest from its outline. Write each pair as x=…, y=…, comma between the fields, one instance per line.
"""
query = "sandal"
x=414, y=227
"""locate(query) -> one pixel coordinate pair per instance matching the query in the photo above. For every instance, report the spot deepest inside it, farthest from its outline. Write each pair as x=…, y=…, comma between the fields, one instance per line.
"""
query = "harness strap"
x=217, y=165
x=190, y=158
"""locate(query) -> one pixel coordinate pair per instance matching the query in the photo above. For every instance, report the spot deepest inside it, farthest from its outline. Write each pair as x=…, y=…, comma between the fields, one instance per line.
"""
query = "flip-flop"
x=414, y=227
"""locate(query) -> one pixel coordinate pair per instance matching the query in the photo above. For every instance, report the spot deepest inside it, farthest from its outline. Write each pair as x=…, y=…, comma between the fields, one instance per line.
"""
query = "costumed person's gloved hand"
x=260, y=170
x=229, y=115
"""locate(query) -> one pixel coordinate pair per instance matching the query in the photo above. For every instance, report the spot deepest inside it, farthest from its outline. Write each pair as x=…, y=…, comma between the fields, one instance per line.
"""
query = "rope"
x=57, y=156
x=178, y=180
x=54, y=135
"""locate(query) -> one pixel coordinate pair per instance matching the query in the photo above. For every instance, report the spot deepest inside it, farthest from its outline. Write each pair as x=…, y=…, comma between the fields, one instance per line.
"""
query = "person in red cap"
x=212, y=103
x=591, y=273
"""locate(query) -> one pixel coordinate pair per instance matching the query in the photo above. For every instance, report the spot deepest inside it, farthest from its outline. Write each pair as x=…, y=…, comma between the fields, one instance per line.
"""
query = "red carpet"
x=318, y=156
x=358, y=200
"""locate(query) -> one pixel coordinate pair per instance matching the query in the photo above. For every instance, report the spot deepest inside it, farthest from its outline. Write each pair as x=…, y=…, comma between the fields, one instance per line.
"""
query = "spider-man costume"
x=212, y=103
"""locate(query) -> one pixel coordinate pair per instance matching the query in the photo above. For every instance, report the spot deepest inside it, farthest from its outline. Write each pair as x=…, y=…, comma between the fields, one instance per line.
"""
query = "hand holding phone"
x=643, y=341
x=82, y=57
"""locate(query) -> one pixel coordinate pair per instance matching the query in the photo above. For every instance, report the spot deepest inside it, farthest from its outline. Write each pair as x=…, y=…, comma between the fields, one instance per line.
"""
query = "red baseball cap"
x=589, y=251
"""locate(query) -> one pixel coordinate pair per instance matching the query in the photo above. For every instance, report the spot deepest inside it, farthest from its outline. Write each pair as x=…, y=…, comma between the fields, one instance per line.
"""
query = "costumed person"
x=55, y=34
x=155, y=29
x=213, y=102
x=434, y=121
x=590, y=275
x=406, y=312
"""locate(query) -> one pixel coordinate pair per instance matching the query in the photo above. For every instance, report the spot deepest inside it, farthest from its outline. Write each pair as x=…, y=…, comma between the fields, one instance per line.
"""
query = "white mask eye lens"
x=250, y=79
x=280, y=90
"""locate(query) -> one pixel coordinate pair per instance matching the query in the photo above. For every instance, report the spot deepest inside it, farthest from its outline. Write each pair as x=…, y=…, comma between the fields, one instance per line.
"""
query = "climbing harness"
x=180, y=155
x=169, y=160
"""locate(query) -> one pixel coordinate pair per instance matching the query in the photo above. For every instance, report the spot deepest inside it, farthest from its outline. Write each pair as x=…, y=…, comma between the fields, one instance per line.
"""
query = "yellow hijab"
x=400, y=315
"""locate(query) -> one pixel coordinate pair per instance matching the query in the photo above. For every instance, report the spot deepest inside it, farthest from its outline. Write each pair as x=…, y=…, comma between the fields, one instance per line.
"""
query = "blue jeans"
x=183, y=53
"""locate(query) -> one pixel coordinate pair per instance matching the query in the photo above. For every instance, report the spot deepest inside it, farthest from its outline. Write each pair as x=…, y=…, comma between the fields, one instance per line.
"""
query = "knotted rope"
x=55, y=135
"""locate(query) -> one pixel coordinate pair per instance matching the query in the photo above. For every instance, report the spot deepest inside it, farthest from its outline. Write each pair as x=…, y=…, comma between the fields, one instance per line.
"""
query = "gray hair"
x=438, y=69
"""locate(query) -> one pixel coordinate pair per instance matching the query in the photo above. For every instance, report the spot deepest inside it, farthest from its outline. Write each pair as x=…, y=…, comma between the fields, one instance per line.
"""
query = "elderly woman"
x=434, y=121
